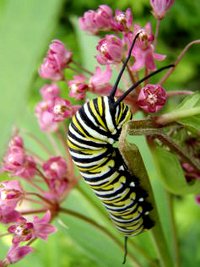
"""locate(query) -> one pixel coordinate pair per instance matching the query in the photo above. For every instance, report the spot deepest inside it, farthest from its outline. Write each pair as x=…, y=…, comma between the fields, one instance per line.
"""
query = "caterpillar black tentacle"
x=93, y=130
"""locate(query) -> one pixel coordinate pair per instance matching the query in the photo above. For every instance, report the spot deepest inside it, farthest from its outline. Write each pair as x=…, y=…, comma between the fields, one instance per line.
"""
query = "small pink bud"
x=56, y=60
x=49, y=91
x=95, y=21
x=61, y=109
x=99, y=82
x=123, y=20
x=17, y=253
x=11, y=193
x=45, y=116
x=16, y=141
x=78, y=87
x=160, y=7
x=8, y=214
x=55, y=168
x=110, y=50
x=152, y=98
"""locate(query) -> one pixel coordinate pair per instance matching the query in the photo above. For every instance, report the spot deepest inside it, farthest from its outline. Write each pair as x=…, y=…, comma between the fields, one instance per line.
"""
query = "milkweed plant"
x=36, y=192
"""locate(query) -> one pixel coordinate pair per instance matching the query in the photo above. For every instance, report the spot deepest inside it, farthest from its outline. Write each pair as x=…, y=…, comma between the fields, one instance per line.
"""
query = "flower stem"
x=157, y=32
x=175, y=244
x=82, y=68
x=28, y=212
x=101, y=228
x=177, y=115
x=169, y=72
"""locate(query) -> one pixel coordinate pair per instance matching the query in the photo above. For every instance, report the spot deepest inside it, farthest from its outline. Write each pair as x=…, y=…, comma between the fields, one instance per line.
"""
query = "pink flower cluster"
x=17, y=162
x=54, y=175
x=160, y=7
x=53, y=109
x=55, y=62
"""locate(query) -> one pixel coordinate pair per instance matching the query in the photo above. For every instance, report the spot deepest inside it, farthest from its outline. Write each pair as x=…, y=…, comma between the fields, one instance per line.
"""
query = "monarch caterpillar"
x=94, y=129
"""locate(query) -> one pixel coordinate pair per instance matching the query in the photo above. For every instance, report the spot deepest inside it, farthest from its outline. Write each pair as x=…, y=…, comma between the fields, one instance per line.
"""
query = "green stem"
x=175, y=245
x=157, y=32
x=135, y=164
x=101, y=228
x=169, y=72
x=177, y=115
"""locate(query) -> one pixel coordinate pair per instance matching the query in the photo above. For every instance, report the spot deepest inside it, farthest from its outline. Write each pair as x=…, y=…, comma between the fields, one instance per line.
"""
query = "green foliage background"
x=26, y=28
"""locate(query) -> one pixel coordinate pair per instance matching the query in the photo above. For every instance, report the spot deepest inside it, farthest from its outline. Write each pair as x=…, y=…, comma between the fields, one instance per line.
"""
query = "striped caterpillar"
x=94, y=129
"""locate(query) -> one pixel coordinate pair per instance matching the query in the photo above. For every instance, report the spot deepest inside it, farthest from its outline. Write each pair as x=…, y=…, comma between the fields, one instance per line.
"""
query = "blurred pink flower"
x=123, y=20
x=61, y=109
x=55, y=167
x=99, y=82
x=160, y=7
x=56, y=60
x=197, y=199
x=17, y=163
x=152, y=98
x=16, y=140
x=49, y=91
x=57, y=189
x=16, y=253
x=8, y=214
x=143, y=51
x=95, y=21
x=11, y=193
x=42, y=228
x=78, y=87
x=110, y=50
x=45, y=116
x=39, y=228
x=22, y=230
x=190, y=172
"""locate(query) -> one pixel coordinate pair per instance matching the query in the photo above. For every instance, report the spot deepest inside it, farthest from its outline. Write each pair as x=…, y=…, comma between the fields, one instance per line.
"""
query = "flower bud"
x=160, y=7
x=78, y=87
x=110, y=50
x=123, y=20
x=49, y=91
x=152, y=98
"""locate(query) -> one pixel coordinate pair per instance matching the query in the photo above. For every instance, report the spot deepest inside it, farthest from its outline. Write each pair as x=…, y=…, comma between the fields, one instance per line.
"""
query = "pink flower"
x=143, y=51
x=55, y=167
x=190, y=172
x=99, y=82
x=152, y=98
x=49, y=91
x=11, y=193
x=8, y=214
x=17, y=163
x=95, y=21
x=61, y=109
x=110, y=50
x=56, y=60
x=45, y=116
x=57, y=189
x=78, y=87
x=39, y=228
x=16, y=253
x=42, y=228
x=160, y=7
x=16, y=141
x=22, y=230
x=123, y=20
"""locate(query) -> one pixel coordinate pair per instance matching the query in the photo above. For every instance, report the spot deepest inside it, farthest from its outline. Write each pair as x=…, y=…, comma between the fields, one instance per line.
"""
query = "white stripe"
x=108, y=116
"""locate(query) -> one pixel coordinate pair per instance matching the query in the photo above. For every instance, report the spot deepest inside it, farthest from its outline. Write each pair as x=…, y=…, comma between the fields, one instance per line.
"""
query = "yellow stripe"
x=91, y=103
x=100, y=105
x=74, y=120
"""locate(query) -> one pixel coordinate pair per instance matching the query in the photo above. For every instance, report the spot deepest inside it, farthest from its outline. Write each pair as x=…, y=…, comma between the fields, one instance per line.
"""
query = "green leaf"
x=171, y=173
x=190, y=102
x=25, y=30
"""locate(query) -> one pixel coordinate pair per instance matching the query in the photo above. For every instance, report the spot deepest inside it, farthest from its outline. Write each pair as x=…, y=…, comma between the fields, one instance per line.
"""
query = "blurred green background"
x=26, y=28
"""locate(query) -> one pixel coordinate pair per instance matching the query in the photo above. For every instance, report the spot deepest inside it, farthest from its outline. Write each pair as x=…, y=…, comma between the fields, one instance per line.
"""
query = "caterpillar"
x=94, y=129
